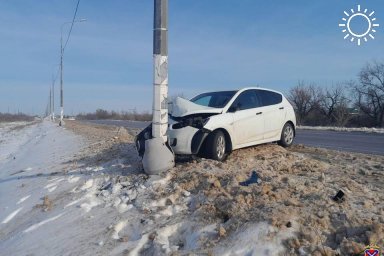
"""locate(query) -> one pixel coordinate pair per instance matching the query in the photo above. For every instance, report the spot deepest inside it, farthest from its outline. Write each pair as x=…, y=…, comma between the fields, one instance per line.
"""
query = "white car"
x=215, y=123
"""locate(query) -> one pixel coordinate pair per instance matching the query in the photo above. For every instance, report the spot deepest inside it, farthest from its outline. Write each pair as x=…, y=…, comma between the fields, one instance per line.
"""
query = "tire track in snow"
x=11, y=216
x=23, y=199
x=35, y=226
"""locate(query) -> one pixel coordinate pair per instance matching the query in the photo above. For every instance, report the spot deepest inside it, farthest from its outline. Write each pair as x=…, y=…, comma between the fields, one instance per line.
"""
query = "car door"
x=273, y=111
x=248, y=121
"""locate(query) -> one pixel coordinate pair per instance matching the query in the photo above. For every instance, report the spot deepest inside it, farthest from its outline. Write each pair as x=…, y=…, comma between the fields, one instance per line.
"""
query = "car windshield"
x=214, y=99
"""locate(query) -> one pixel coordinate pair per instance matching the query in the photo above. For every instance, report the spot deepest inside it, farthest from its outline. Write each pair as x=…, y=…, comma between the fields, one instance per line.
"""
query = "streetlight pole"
x=50, y=103
x=53, y=99
x=61, y=70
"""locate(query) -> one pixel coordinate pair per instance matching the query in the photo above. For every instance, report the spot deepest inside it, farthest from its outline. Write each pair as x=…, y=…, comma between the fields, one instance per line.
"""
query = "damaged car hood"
x=181, y=107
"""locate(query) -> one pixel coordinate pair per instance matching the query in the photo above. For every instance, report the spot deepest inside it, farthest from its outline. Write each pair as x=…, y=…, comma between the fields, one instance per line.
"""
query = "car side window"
x=269, y=98
x=246, y=100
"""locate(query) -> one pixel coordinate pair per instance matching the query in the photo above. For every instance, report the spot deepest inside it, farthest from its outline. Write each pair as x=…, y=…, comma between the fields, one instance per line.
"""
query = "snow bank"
x=343, y=129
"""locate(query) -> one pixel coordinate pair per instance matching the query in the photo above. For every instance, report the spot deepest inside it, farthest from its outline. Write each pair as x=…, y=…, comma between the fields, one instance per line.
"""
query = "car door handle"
x=259, y=113
x=281, y=107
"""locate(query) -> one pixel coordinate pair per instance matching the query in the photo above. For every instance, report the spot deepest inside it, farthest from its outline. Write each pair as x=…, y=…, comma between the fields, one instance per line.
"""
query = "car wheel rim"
x=220, y=147
x=288, y=134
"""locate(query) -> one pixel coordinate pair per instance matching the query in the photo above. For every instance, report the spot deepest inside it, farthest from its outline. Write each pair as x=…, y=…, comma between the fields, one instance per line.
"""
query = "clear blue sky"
x=212, y=45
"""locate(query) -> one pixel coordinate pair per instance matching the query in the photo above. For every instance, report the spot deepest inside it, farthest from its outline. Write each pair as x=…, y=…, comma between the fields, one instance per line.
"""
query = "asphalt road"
x=368, y=143
x=361, y=142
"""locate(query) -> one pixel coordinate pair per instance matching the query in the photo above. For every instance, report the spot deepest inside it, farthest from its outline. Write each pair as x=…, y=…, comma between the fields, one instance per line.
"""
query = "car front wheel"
x=216, y=146
x=287, y=135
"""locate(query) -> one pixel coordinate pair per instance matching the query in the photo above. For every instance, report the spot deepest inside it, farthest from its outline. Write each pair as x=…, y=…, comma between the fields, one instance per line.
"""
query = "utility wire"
x=73, y=21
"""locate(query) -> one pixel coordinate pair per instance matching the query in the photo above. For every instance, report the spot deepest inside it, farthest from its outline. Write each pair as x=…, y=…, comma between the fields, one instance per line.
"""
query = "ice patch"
x=124, y=207
x=157, y=181
x=116, y=188
x=163, y=235
x=117, y=228
x=50, y=185
x=93, y=202
x=94, y=169
x=73, y=202
x=11, y=216
x=172, y=210
x=87, y=185
x=160, y=202
x=23, y=199
x=135, y=251
x=51, y=189
x=58, y=179
x=35, y=226
x=73, y=179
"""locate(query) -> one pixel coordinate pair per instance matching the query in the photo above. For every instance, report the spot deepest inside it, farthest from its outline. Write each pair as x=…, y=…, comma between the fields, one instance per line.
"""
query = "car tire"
x=287, y=135
x=216, y=146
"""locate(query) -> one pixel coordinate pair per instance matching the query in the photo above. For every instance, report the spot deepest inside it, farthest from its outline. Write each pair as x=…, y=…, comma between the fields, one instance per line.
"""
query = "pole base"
x=157, y=157
x=61, y=123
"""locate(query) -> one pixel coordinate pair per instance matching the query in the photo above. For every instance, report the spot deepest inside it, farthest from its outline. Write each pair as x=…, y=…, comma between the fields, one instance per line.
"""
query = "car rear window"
x=269, y=98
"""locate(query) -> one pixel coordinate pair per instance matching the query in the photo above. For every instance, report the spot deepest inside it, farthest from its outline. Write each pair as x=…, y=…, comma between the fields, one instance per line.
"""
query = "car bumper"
x=186, y=140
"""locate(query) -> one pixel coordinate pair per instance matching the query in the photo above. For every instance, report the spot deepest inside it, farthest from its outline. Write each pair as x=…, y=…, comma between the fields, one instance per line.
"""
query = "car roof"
x=258, y=88
x=240, y=90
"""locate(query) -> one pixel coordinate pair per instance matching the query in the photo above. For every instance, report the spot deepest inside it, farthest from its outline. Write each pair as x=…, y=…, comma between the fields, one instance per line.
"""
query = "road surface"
x=361, y=142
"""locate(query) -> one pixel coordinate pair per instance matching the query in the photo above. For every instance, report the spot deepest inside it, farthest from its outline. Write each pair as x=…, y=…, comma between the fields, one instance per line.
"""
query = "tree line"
x=123, y=115
x=8, y=117
x=355, y=103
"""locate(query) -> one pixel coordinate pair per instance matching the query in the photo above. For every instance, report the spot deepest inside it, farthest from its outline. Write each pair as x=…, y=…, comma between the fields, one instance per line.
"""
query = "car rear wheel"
x=287, y=135
x=216, y=146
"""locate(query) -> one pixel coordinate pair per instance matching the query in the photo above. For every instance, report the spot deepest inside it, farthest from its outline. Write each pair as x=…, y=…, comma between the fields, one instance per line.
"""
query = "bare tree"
x=370, y=92
x=341, y=114
x=334, y=105
x=304, y=98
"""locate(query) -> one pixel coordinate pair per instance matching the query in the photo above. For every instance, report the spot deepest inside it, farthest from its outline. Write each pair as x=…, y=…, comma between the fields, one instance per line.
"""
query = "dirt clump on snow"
x=46, y=205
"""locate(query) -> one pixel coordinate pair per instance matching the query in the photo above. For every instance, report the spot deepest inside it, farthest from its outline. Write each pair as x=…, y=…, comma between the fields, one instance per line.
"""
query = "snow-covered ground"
x=66, y=194
x=31, y=164
x=343, y=129
x=51, y=205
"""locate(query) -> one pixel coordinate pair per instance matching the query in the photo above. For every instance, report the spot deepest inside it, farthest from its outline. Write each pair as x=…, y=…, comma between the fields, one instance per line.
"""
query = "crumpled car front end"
x=186, y=132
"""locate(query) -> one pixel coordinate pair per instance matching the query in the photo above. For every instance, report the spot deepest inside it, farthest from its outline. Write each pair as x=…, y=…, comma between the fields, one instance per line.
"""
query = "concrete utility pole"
x=61, y=70
x=50, y=103
x=158, y=155
x=61, y=78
